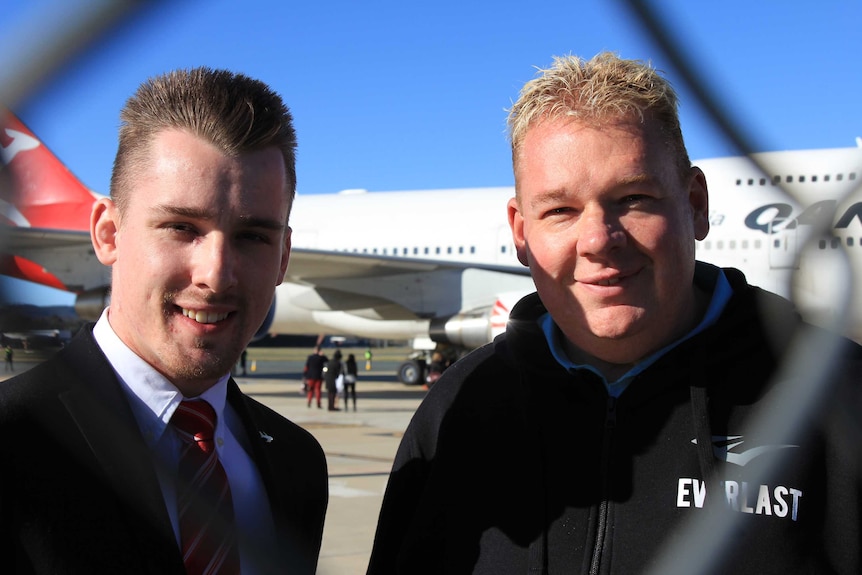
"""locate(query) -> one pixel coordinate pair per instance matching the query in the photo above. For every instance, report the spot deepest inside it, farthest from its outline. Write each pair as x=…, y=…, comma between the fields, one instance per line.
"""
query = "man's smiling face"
x=607, y=225
x=196, y=255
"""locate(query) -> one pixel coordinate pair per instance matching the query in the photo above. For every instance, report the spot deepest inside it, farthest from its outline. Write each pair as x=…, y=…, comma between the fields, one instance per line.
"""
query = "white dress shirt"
x=153, y=399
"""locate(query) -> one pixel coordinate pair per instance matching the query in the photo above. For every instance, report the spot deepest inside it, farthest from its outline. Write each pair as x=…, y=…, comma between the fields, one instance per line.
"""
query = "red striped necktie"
x=205, y=508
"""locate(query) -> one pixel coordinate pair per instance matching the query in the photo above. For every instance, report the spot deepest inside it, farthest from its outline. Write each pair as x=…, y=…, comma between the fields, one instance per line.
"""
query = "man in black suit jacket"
x=196, y=234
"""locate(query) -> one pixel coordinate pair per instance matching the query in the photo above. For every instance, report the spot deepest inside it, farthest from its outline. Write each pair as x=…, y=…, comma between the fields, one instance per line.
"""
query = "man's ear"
x=698, y=198
x=104, y=225
x=516, y=223
x=285, y=255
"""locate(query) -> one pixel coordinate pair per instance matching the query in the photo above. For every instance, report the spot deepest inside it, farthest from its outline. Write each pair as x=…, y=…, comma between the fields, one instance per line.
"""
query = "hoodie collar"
x=716, y=282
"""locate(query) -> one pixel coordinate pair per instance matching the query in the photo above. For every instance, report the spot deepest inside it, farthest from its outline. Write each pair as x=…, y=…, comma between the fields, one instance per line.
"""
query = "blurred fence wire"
x=698, y=544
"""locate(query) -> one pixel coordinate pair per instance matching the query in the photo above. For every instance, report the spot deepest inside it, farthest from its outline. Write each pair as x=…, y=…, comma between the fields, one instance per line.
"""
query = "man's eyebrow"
x=559, y=195
x=183, y=212
x=549, y=197
x=264, y=223
x=210, y=214
x=637, y=180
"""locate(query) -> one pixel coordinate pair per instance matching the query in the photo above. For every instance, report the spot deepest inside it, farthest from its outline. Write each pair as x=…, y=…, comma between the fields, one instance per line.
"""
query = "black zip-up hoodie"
x=514, y=465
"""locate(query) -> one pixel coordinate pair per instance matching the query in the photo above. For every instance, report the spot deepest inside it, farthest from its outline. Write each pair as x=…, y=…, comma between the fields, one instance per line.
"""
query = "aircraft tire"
x=410, y=373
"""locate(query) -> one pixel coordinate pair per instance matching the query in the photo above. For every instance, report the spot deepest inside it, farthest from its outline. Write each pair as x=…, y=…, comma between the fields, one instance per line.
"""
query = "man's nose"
x=215, y=264
x=599, y=231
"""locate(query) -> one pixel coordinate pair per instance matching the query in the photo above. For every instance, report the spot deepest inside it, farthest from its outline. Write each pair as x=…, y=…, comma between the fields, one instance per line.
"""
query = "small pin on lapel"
x=265, y=437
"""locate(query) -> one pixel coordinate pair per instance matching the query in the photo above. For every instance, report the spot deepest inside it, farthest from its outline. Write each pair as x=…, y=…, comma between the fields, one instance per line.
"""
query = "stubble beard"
x=213, y=365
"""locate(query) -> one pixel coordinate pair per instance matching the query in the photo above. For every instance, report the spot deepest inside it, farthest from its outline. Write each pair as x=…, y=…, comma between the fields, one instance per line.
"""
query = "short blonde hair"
x=603, y=88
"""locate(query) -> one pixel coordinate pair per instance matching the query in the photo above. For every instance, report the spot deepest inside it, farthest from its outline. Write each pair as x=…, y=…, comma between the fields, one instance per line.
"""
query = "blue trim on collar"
x=720, y=296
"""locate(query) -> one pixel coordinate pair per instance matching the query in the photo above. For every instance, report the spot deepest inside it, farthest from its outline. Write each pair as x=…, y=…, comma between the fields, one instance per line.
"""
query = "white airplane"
x=439, y=266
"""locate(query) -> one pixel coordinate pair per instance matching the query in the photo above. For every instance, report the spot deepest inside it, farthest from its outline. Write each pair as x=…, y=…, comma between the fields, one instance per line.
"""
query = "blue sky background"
x=394, y=95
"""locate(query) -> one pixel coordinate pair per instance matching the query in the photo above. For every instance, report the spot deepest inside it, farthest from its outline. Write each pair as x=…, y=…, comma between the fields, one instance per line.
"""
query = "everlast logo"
x=773, y=218
x=775, y=500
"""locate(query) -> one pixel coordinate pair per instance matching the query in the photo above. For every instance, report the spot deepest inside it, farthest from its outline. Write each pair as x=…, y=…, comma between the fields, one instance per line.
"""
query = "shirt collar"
x=152, y=396
x=721, y=293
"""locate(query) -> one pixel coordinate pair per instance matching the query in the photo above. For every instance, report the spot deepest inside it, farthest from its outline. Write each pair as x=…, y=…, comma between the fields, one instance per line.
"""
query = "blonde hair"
x=603, y=88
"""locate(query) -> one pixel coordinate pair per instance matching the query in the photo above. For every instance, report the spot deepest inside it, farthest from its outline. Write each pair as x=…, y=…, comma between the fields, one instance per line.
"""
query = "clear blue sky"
x=395, y=95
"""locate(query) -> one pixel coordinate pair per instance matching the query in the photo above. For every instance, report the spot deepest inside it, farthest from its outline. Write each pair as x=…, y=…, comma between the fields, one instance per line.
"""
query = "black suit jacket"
x=78, y=486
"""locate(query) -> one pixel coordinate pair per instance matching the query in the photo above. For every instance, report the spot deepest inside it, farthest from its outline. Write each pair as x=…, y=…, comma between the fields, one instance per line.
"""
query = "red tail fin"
x=43, y=194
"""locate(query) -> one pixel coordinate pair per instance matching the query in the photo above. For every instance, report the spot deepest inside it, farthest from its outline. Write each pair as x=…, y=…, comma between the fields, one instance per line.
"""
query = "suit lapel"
x=275, y=475
x=101, y=412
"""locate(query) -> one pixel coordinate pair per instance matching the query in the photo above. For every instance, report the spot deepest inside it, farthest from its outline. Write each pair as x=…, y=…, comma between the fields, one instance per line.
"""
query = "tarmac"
x=359, y=445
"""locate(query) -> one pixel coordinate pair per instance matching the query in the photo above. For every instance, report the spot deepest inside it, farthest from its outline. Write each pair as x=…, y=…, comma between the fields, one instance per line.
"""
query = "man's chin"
x=205, y=363
x=615, y=323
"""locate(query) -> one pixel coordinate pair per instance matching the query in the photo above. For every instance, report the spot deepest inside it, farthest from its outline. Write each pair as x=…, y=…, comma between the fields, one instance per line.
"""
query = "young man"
x=133, y=450
x=606, y=418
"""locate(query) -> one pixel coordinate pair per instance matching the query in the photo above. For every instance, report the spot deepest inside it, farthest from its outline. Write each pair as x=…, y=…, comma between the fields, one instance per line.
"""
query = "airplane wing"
x=28, y=239
x=62, y=259
x=306, y=264
x=396, y=288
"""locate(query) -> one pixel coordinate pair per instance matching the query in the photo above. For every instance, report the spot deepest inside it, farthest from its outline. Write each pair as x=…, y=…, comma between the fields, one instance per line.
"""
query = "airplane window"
x=826, y=178
x=472, y=249
x=789, y=179
x=776, y=243
x=502, y=249
x=745, y=244
x=839, y=177
x=449, y=250
x=836, y=242
x=762, y=181
x=757, y=244
x=776, y=179
x=437, y=251
x=813, y=178
x=427, y=250
x=719, y=245
x=732, y=244
x=852, y=175
x=750, y=181
x=801, y=178
x=738, y=182
x=850, y=242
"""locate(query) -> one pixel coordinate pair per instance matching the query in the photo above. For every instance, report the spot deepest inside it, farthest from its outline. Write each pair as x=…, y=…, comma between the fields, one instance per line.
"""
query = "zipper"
x=601, y=531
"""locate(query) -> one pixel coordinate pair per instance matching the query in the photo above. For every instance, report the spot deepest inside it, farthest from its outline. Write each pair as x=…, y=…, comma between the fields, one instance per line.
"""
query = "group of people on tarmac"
x=616, y=410
x=339, y=378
